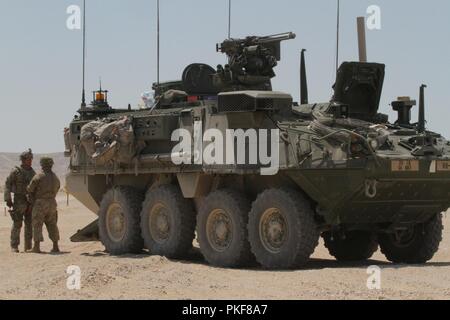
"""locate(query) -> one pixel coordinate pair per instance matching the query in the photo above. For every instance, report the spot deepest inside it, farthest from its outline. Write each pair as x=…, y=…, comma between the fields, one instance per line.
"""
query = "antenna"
x=303, y=81
x=338, y=22
x=229, y=19
x=158, y=43
x=422, y=122
x=83, y=94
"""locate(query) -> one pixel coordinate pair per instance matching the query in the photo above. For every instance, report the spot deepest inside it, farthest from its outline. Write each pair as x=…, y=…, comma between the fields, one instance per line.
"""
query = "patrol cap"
x=47, y=162
x=26, y=155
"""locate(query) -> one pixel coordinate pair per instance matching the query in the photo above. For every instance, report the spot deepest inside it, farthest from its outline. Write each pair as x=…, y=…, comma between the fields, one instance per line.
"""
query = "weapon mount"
x=250, y=62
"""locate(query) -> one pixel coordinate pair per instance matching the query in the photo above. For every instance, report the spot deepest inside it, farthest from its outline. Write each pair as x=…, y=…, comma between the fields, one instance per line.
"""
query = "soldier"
x=42, y=192
x=20, y=208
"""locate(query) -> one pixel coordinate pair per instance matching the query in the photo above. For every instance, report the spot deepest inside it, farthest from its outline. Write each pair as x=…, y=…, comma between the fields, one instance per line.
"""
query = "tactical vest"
x=22, y=180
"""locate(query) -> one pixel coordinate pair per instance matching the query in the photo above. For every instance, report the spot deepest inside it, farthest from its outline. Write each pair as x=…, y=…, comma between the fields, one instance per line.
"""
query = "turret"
x=250, y=62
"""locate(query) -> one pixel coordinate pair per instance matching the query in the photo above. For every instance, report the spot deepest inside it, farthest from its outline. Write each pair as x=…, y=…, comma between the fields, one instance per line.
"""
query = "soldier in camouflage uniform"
x=20, y=208
x=42, y=192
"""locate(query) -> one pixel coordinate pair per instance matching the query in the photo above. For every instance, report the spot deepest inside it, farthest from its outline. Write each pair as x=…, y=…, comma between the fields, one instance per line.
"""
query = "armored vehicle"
x=255, y=177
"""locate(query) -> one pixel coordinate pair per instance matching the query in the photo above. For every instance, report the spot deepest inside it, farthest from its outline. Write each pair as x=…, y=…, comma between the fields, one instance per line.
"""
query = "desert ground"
x=33, y=276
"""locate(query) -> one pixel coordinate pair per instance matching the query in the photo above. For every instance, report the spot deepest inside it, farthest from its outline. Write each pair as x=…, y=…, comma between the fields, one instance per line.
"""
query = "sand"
x=33, y=276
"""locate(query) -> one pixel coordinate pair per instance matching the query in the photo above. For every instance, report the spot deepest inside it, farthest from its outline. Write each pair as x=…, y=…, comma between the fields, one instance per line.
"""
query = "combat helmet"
x=26, y=155
x=47, y=162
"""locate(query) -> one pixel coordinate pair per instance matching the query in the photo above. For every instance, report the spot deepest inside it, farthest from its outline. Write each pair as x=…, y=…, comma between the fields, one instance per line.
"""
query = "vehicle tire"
x=167, y=222
x=415, y=246
x=119, y=221
x=282, y=230
x=222, y=229
x=357, y=245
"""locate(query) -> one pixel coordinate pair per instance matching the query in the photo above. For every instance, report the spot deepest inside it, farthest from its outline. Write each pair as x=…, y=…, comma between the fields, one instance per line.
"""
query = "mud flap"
x=87, y=234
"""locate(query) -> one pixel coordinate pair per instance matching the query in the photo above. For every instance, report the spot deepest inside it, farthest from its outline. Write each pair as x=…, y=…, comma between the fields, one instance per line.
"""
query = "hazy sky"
x=40, y=59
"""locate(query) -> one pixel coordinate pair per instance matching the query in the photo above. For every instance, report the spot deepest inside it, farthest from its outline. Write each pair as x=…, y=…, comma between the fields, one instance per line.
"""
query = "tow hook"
x=371, y=188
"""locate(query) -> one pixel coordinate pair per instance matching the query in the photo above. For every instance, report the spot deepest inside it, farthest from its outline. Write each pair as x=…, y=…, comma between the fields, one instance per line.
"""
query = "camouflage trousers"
x=19, y=217
x=45, y=212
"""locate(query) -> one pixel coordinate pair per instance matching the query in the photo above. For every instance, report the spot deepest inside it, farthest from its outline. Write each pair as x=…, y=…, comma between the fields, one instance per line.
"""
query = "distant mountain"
x=10, y=160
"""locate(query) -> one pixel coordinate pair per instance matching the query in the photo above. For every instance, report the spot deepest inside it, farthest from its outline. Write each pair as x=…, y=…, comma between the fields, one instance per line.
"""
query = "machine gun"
x=250, y=62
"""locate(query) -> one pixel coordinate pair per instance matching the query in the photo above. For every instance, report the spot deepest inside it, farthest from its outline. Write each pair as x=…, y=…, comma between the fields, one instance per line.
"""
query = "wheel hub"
x=162, y=223
x=219, y=230
x=273, y=230
x=115, y=222
x=159, y=223
x=403, y=238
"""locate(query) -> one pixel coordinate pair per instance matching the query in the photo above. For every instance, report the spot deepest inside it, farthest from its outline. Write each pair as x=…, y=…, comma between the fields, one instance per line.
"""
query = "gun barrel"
x=277, y=37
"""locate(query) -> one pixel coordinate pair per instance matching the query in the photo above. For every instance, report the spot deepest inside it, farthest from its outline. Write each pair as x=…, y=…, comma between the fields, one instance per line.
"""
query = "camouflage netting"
x=106, y=141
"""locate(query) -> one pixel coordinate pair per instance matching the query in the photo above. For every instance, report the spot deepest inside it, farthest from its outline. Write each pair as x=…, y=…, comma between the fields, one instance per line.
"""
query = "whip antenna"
x=158, y=42
x=83, y=94
x=229, y=19
x=338, y=22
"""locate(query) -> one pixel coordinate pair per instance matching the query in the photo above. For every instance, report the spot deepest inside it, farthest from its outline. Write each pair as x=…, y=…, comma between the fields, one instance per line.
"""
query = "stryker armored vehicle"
x=287, y=174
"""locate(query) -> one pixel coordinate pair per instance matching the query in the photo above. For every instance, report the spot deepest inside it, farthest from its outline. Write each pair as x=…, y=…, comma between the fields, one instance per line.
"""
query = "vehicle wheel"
x=282, y=230
x=119, y=221
x=357, y=245
x=222, y=229
x=415, y=246
x=168, y=222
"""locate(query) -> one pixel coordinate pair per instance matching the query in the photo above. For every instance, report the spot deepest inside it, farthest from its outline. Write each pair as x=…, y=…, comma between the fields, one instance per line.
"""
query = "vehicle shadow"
x=194, y=257
x=317, y=264
x=104, y=254
x=62, y=253
x=44, y=253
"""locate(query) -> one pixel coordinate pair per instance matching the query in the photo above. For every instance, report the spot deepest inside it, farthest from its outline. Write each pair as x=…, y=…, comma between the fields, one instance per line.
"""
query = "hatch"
x=359, y=85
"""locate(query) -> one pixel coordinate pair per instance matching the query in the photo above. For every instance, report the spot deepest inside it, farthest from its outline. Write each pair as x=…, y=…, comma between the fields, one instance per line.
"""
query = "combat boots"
x=37, y=247
x=28, y=246
x=55, y=248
